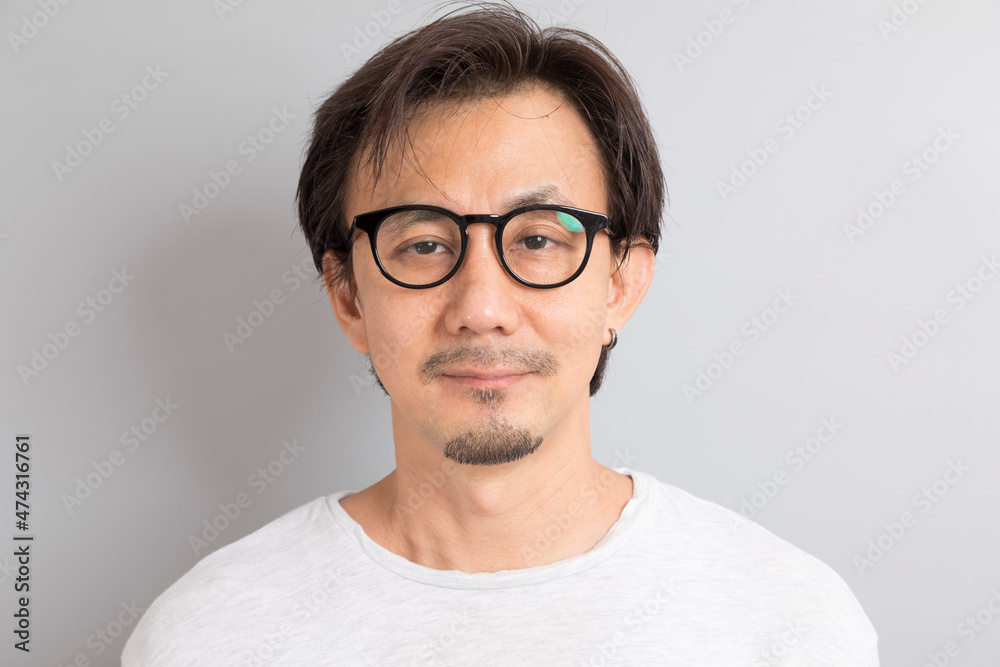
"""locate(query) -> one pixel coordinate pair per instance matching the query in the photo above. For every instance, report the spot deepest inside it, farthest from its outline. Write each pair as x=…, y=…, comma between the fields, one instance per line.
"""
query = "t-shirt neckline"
x=618, y=535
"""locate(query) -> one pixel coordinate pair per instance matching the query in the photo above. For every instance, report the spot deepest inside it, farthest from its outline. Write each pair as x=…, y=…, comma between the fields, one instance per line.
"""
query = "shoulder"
x=753, y=571
x=246, y=580
x=700, y=526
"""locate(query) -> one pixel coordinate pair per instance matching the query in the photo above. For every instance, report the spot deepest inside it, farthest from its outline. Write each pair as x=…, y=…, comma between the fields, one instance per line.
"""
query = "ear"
x=628, y=283
x=346, y=306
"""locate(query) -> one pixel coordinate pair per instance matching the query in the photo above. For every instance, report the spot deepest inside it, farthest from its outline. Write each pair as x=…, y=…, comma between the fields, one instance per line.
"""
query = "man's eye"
x=536, y=242
x=426, y=248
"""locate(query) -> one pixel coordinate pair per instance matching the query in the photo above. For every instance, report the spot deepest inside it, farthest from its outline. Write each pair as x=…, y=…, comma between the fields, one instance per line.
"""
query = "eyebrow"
x=418, y=216
x=543, y=194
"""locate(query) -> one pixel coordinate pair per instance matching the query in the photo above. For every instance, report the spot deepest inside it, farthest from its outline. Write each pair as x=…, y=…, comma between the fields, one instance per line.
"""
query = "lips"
x=480, y=374
x=494, y=378
x=472, y=364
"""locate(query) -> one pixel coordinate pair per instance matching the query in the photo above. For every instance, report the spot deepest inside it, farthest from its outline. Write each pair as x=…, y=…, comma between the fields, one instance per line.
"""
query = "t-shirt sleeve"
x=836, y=631
x=237, y=600
x=796, y=609
x=822, y=622
x=176, y=628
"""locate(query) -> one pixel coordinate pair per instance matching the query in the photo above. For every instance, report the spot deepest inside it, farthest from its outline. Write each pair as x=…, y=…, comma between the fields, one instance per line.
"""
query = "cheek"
x=576, y=326
x=399, y=328
x=389, y=347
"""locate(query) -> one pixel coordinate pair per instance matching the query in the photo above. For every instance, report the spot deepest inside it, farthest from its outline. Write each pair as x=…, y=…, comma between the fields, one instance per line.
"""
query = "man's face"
x=482, y=368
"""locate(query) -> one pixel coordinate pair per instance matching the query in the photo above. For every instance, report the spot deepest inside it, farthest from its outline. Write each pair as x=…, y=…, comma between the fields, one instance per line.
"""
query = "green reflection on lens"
x=569, y=222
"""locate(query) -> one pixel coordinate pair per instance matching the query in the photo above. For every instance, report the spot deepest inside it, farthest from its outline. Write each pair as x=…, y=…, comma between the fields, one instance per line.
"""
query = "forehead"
x=481, y=155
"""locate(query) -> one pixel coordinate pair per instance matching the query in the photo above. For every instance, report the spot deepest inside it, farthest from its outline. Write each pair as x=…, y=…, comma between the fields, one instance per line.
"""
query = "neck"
x=555, y=503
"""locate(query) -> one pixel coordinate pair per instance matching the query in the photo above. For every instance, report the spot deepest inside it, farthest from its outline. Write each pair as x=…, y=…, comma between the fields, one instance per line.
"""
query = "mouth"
x=491, y=379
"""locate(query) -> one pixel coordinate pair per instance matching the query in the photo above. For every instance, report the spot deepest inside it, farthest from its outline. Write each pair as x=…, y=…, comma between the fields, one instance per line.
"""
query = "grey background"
x=721, y=264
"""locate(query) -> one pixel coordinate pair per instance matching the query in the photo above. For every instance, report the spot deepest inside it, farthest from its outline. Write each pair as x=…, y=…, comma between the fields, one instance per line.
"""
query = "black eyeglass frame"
x=592, y=223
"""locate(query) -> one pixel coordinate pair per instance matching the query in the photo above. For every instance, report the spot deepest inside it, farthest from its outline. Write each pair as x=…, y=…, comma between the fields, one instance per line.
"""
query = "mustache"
x=527, y=361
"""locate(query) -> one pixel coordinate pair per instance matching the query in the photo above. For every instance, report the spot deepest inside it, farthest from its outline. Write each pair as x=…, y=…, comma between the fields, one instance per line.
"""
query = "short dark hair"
x=472, y=53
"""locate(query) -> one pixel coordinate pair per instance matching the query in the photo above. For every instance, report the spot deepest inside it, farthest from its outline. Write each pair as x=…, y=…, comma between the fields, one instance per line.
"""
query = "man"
x=483, y=200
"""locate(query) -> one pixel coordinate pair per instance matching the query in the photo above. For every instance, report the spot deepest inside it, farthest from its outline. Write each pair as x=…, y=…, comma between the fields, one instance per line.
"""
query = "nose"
x=483, y=296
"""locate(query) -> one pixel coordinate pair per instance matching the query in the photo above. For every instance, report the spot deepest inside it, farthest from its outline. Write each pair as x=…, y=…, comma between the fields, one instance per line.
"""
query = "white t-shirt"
x=676, y=581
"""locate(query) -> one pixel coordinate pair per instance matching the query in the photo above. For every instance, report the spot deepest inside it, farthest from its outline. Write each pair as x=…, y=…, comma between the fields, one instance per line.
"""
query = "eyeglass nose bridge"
x=492, y=218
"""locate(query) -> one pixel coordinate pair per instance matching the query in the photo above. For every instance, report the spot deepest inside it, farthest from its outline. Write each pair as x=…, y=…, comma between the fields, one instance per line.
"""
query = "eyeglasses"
x=540, y=245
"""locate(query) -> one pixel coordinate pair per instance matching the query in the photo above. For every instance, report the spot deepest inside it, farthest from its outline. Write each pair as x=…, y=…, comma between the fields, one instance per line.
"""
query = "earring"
x=614, y=341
